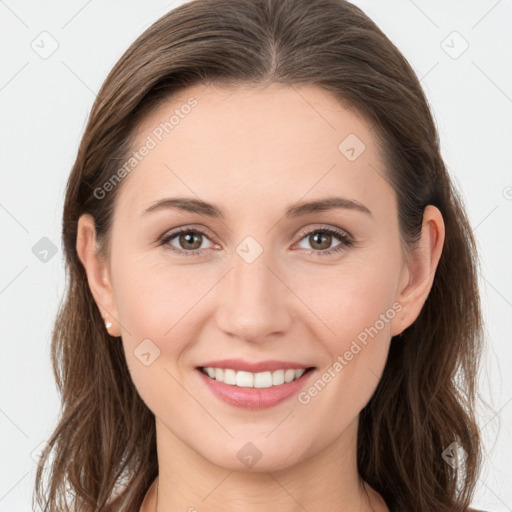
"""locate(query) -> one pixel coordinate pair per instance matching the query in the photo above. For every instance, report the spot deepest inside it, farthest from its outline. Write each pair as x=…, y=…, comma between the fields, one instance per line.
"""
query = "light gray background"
x=44, y=106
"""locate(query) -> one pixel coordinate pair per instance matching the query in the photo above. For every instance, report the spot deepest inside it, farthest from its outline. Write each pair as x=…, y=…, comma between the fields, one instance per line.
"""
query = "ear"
x=98, y=275
x=418, y=273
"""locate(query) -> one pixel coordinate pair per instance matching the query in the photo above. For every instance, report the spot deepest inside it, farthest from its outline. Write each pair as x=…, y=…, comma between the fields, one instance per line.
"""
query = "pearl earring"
x=108, y=324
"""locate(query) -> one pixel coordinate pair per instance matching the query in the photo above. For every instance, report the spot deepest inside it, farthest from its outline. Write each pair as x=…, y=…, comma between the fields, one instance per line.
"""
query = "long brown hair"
x=104, y=446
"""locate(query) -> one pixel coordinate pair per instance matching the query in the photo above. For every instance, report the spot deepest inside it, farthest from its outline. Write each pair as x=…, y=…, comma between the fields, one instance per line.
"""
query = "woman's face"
x=254, y=277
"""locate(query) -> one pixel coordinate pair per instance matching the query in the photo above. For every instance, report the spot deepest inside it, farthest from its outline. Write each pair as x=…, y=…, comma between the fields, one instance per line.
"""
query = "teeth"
x=253, y=380
x=245, y=379
x=229, y=377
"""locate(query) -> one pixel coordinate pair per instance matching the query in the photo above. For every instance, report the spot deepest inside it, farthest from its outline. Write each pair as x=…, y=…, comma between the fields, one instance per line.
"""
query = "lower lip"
x=255, y=398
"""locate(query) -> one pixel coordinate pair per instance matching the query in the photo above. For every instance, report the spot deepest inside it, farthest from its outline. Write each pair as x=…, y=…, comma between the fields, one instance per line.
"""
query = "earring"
x=108, y=325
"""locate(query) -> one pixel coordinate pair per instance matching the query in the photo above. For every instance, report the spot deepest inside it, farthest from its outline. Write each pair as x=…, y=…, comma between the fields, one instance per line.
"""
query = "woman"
x=319, y=353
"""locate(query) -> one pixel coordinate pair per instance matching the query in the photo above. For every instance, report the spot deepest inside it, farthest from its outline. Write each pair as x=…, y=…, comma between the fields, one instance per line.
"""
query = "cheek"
x=153, y=300
x=356, y=302
x=351, y=297
x=356, y=355
x=159, y=316
x=158, y=311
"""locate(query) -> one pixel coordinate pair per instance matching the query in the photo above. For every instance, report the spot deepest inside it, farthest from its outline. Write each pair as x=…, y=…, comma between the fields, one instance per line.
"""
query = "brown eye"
x=320, y=241
x=185, y=241
x=189, y=240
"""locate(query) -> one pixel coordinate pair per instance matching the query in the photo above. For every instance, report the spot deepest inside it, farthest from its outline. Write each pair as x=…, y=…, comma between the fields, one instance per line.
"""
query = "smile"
x=256, y=391
x=245, y=379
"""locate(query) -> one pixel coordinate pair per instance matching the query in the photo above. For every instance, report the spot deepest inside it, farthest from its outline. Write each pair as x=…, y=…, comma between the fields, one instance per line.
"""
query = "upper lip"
x=254, y=367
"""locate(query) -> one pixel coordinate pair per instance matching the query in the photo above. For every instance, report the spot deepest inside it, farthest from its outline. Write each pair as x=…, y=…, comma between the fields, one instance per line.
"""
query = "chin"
x=257, y=457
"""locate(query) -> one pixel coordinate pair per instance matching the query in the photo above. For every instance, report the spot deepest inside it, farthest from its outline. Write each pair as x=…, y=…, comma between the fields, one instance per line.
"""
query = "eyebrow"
x=296, y=210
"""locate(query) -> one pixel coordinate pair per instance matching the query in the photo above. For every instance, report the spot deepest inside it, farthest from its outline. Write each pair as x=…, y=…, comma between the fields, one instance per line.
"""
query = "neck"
x=326, y=481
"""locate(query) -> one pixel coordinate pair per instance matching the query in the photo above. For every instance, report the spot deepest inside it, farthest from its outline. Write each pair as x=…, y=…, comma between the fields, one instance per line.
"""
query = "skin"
x=253, y=152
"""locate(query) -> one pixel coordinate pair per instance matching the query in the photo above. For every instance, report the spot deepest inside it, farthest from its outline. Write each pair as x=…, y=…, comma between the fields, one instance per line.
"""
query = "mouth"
x=245, y=379
x=255, y=390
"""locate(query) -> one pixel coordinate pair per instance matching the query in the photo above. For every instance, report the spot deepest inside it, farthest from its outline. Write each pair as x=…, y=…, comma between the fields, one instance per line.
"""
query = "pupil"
x=319, y=235
x=189, y=238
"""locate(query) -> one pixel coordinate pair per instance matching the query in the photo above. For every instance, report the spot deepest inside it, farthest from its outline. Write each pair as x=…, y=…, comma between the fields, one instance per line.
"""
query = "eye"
x=189, y=241
x=321, y=239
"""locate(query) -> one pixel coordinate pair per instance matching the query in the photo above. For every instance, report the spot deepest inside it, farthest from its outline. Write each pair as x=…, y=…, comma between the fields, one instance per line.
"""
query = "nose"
x=255, y=300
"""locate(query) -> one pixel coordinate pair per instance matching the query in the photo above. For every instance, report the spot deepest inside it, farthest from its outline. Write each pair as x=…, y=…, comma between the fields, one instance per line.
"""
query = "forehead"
x=250, y=145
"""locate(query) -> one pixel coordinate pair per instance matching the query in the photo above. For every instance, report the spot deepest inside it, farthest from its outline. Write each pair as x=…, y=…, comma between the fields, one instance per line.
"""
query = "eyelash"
x=346, y=241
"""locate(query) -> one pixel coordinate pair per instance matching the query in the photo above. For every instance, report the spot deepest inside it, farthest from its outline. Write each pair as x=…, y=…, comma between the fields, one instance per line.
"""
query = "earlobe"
x=96, y=269
x=421, y=269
